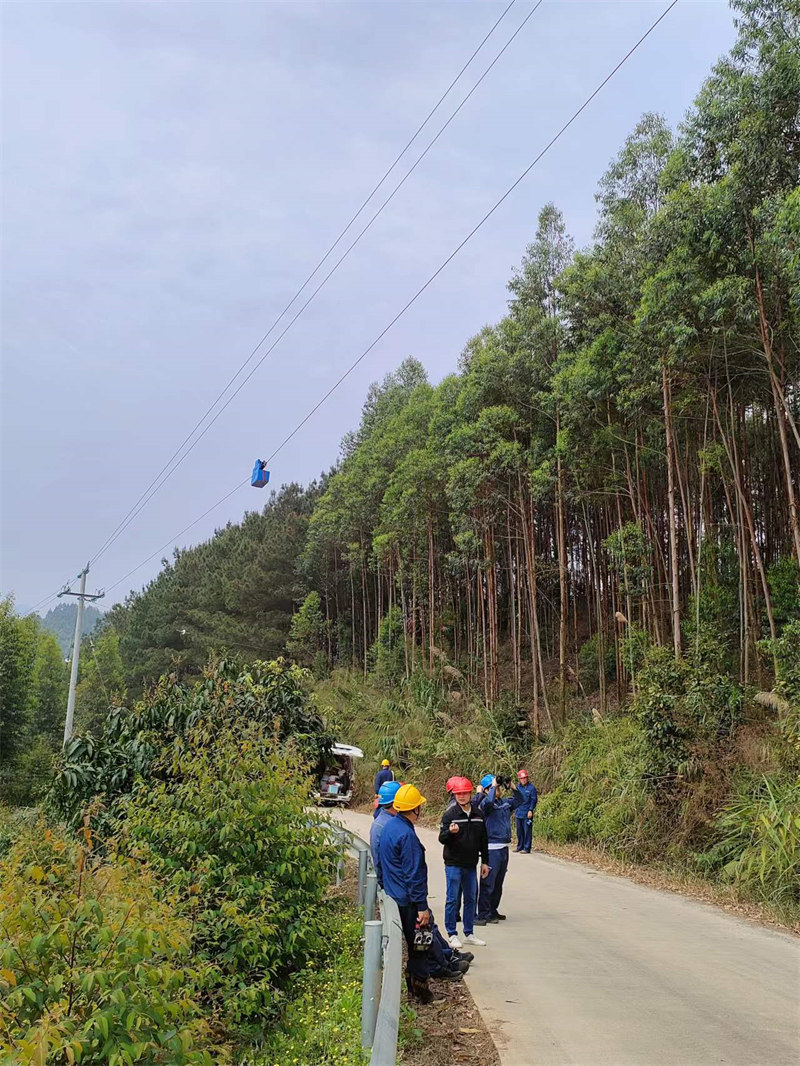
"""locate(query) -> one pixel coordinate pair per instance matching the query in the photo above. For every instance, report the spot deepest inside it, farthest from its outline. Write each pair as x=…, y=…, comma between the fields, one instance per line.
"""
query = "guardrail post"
x=362, y=875
x=370, y=992
x=370, y=897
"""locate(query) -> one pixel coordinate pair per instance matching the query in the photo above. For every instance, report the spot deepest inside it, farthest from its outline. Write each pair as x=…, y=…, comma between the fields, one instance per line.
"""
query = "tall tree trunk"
x=673, y=536
x=562, y=580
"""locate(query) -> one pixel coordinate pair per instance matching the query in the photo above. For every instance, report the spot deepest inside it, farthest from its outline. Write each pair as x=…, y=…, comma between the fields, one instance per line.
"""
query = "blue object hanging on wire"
x=260, y=474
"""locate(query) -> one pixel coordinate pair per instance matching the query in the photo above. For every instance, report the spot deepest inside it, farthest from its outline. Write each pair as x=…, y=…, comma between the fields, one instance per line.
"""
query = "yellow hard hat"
x=385, y=762
x=408, y=798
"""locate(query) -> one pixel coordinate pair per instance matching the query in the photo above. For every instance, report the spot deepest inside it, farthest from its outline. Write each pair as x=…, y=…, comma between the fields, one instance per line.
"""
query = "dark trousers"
x=524, y=833
x=441, y=953
x=419, y=966
x=492, y=885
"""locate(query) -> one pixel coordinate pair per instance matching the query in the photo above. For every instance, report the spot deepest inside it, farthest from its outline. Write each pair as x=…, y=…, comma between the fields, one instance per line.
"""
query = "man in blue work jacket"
x=496, y=810
x=383, y=775
x=405, y=879
x=524, y=812
x=386, y=795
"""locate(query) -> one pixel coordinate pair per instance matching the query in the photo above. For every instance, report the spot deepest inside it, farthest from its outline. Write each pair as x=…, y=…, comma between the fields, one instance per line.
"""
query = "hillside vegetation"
x=174, y=900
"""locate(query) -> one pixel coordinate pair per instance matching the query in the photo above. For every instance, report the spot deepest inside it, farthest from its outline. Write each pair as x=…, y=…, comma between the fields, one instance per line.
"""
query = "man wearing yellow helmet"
x=405, y=879
x=383, y=775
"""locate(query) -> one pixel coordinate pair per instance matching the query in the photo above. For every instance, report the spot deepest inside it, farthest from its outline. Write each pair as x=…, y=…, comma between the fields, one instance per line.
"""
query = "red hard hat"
x=459, y=784
x=521, y=774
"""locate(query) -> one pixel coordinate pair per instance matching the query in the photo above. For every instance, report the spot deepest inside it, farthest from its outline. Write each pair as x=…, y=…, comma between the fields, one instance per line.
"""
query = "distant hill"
x=60, y=621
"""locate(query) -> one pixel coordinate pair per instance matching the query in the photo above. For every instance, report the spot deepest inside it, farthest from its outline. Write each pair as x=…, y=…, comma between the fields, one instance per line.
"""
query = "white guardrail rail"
x=383, y=957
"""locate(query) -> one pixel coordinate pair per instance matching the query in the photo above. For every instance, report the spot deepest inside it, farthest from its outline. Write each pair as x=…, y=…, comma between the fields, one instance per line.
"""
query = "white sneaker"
x=473, y=941
x=455, y=943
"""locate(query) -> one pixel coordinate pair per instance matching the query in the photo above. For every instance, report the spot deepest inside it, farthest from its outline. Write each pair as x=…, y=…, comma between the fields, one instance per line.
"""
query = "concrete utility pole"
x=82, y=596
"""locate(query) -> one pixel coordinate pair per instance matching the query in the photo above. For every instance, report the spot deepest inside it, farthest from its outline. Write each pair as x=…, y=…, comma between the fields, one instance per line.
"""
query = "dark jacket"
x=464, y=847
x=383, y=775
x=497, y=813
x=402, y=859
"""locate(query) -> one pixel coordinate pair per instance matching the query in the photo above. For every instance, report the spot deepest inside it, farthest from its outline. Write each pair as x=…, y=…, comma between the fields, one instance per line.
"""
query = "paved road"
x=594, y=970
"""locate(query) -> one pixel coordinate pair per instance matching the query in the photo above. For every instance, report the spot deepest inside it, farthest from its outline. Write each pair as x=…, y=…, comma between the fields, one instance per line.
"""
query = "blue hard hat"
x=387, y=793
x=487, y=780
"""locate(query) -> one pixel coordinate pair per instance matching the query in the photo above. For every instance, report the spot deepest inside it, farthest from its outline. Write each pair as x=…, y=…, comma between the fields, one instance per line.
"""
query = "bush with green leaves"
x=223, y=824
x=322, y=1023
x=94, y=968
x=274, y=693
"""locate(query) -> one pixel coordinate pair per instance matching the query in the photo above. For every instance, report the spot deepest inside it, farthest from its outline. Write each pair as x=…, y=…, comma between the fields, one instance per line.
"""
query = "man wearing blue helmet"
x=386, y=794
x=496, y=811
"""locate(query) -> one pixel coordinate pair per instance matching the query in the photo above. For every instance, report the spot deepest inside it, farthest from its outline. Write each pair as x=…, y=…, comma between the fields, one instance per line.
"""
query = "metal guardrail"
x=383, y=957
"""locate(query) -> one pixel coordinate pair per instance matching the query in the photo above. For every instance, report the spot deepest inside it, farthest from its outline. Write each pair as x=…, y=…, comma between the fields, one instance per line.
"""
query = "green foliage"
x=759, y=849
x=306, y=643
x=389, y=650
x=589, y=662
x=224, y=827
x=682, y=705
x=93, y=968
x=322, y=1023
x=101, y=683
x=784, y=584
x=33, y=697
x=657, y=706
x=235, y=593
x=275, y=694
x=630, y=550
x=600, y=796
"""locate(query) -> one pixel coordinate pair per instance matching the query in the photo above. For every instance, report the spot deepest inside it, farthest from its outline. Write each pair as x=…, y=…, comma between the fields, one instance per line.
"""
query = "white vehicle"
x=337, y=781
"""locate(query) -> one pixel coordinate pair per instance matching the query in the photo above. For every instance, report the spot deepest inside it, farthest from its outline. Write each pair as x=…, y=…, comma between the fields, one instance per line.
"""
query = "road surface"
x=595, y=970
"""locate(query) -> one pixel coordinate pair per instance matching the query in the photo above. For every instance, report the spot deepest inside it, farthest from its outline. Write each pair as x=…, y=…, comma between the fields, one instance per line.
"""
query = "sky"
x=175, y=170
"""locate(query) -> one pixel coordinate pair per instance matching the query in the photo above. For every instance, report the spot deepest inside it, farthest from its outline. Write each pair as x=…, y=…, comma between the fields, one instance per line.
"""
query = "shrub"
x=223, y=825
x=93, y=968
x=600, y=796
x=273, y=693
x=759, y=849
x=322, y=1023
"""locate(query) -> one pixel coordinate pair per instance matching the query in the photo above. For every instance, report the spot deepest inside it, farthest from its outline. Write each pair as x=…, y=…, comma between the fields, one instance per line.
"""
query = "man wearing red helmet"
x=463, y=834
x=524, y=812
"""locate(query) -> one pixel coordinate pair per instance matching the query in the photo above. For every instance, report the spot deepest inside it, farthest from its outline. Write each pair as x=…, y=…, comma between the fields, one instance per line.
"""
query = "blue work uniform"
x=375, y=832
x=383, y=775
x=497, y=815
x=405, y=879
x=530, y=797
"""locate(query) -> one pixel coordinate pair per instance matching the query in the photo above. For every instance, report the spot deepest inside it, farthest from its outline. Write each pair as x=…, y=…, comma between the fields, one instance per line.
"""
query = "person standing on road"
x=463, y=834
x=496, y=810
x=405, y=879
x=383, y=775
x=524, y=812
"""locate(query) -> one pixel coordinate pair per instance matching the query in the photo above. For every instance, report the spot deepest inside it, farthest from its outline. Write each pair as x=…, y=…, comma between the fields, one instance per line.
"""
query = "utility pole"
x=81, y=596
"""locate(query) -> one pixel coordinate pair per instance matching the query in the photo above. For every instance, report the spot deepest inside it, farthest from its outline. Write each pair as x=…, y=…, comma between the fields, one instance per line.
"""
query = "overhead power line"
x=156, y=483
x=556, y=137
x=174, y=462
